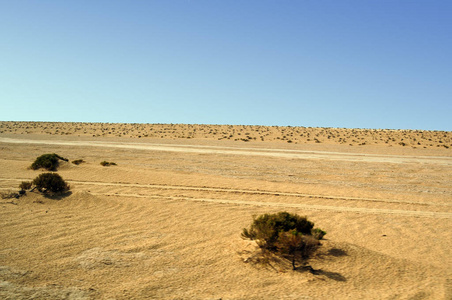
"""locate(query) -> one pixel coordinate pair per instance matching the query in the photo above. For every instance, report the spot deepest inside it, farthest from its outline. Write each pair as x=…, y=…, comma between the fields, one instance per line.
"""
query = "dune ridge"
x=239, y=133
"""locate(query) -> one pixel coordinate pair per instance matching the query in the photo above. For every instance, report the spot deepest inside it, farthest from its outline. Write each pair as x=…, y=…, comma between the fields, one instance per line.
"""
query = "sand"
x=165, y=222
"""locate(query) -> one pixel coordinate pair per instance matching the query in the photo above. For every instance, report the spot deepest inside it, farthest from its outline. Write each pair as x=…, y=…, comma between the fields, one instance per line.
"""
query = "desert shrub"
x=50, y=183
x=78, y=161
x=288, y=235
x=107, y=163
x=25, y=185
x=47, y=161
x=266, y=228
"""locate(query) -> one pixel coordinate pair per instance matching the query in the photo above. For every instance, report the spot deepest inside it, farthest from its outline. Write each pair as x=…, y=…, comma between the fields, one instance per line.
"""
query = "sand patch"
x=166, y=224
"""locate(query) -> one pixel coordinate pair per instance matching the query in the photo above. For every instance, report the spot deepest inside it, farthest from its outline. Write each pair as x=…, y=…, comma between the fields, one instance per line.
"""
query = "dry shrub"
x=49, y=162
x=286, y=235
x=25, y=185
x=50, y=183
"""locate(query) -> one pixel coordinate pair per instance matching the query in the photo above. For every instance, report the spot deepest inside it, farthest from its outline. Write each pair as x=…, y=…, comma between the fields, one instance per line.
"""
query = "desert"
x=165, y=221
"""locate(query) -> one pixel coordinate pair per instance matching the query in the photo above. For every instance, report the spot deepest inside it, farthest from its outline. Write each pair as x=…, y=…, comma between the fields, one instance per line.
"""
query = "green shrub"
x=49, y=162
x=25, y=185
x=107, y=163
x=288, y=235
x=266, y=228
x=50, y=183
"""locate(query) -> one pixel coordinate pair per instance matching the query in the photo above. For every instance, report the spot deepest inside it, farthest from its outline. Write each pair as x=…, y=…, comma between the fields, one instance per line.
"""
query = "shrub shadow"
x=277, y=263
x=331, y=275
x=58, y=196
x=337, y=252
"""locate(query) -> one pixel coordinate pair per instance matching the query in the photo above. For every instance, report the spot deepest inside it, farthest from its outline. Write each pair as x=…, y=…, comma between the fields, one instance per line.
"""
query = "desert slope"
x=239, y=133
x=165, y=222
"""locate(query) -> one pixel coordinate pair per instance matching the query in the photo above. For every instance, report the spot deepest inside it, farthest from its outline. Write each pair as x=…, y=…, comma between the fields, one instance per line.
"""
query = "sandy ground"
x=165, y=222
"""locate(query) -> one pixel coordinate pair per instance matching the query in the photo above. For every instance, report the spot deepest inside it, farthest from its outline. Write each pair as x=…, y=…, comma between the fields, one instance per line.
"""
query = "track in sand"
x=131, y=191
x=281, y=153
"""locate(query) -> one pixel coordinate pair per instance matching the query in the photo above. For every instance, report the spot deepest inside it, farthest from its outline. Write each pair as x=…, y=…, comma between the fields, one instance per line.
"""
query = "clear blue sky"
x=356, y=64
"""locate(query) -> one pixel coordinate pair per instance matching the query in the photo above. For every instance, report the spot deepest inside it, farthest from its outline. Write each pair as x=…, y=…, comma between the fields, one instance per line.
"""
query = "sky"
x=350, y=64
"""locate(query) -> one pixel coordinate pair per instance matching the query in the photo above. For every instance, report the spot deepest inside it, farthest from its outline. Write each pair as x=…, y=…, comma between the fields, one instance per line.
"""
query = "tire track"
x=257, y=192
x=399, y=212
x=280, y=153
x=412, y=213
x=242, y=191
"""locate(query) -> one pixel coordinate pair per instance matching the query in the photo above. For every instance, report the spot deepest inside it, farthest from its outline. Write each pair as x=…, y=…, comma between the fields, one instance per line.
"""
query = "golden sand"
x=165, y=222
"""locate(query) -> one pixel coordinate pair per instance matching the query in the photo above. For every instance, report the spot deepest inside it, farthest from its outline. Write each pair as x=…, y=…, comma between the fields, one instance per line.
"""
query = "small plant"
x=50, y=183
x=107, y=163
x=49, y=162
x=78, y=161
x=25, y=185
x=288, y=235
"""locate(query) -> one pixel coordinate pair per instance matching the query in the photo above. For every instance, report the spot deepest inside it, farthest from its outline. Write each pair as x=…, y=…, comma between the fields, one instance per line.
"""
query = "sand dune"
x=239, y=133
x=165, y=222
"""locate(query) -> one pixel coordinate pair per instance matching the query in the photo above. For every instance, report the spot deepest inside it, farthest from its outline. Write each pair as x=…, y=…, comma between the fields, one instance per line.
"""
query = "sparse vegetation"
x=50, y=183
x=108, y=163
x=9, y=195
x=246, y=133
x=49, y=162
x=288, y=235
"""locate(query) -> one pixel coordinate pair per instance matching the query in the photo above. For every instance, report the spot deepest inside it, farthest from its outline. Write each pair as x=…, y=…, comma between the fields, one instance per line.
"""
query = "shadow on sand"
x=58, y=196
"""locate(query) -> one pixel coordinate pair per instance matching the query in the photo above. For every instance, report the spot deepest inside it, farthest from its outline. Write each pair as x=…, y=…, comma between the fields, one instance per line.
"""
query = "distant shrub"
x=49, y=162
x=50, y=183
x=285, y=234
x=78, y=161
x=25, y=185
x=107, y=163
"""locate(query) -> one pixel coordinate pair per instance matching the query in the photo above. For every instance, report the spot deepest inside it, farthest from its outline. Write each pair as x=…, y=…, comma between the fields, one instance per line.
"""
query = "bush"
x=107, y=163
x=50, y=183
x=285, y=234
x=25, y=185
x=266, y=228
x=49, y=162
